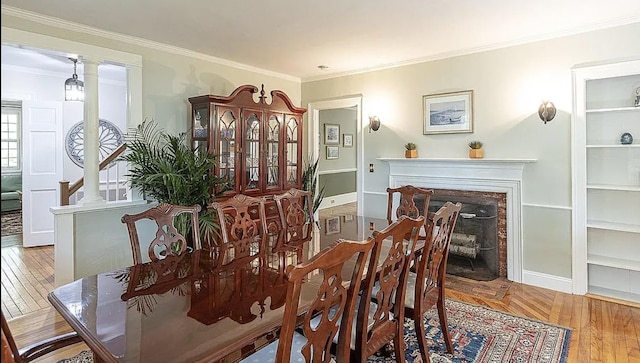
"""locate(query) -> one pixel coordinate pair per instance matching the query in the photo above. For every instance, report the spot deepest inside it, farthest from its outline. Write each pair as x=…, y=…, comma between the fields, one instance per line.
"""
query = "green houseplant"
x=310, y=181
x=476, y=151
x=411, y=151
x=163, y=167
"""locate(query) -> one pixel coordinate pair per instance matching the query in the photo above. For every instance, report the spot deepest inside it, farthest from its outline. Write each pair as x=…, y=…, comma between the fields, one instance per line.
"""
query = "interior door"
x=42, y=141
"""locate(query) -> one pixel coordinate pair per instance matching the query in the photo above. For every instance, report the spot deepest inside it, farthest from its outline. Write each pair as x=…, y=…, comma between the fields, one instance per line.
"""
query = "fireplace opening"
x=473, y=250
x=478, y=245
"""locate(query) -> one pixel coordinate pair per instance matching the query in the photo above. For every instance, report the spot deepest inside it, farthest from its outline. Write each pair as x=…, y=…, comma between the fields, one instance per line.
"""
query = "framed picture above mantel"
x=448, y=113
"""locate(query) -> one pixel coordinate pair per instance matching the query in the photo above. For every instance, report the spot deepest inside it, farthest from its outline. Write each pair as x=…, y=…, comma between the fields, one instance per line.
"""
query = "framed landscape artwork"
x=332, y=152
x=331, y=134
x=448, y=113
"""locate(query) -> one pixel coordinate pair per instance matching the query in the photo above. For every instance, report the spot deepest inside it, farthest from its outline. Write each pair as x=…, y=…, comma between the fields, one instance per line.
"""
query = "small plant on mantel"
x=476, y=151
x=411, y=151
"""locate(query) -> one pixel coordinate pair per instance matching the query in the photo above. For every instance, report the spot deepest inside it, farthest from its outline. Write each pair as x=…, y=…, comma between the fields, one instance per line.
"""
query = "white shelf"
x=621, y=227
x=621, y=188
x=606, y=214
x=613, y=109
x=612, y=146
x=629, y=296
x=613, y=262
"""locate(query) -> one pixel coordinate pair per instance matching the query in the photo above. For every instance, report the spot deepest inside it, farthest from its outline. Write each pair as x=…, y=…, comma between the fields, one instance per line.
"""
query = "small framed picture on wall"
x=331, y=134
x=347, y=140
x=332, y=152
x=332, y=225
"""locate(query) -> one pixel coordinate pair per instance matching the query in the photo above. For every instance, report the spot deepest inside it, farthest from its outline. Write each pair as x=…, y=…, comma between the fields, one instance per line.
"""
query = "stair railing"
x=66, y=190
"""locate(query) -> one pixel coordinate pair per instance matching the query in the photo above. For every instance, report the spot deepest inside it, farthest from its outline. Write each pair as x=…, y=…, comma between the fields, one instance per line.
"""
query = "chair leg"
x=422, y=335
x=442, y=314
x=398, y=346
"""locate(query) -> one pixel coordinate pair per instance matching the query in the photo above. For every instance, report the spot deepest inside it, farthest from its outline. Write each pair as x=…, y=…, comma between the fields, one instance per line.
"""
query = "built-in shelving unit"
x=606, y=181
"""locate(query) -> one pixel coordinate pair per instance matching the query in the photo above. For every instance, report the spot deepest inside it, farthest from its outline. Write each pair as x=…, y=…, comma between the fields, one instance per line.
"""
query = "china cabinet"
x=258, y=143
x=606, y=180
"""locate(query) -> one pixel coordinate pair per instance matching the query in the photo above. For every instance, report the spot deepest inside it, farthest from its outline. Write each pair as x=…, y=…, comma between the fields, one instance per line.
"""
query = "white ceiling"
x=294, y=37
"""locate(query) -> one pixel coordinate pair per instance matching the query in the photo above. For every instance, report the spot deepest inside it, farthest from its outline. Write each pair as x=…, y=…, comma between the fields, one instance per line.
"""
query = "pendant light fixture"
x=73, y=88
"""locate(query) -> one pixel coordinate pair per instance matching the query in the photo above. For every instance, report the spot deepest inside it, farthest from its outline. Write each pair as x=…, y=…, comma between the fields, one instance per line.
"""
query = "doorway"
x=343, y=115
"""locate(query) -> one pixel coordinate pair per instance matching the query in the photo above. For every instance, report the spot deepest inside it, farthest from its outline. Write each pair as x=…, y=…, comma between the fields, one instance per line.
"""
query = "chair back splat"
x=380, y=317
x=168, y=240
x=426, y=285
x=330, y=314
x=413, y=202
x=296, y=218
x=243, y=225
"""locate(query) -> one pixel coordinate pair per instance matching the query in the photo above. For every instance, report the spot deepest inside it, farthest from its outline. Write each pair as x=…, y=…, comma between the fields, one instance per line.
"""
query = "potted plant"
x=476, y=151
x=310, y=181
x=163, y=167
x=411, y=151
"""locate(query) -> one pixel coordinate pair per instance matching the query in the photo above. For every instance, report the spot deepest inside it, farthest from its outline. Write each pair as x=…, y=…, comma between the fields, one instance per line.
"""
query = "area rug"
x=11, y=223
x=478, y=335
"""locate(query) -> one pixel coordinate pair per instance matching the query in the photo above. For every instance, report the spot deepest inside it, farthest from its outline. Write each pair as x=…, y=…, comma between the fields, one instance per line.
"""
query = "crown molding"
x=489, y=47
x=75, y=27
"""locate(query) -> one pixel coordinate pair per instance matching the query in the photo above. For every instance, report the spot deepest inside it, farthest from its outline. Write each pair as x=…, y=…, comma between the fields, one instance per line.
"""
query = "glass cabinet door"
x=273, y=152
x=292, y=152
x=227, y=143
x=200, y=122
x=252, y=172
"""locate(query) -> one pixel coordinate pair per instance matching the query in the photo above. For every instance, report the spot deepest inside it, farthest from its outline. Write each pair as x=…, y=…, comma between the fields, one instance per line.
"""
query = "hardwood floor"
x=602, y=331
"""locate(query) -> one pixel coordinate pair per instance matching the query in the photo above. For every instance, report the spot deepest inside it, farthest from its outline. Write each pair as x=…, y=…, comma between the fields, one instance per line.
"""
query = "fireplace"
x=478, y=247
x=499, y=180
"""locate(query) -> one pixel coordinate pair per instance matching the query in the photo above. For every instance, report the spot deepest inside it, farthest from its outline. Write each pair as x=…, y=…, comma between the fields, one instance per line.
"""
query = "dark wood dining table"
x=190, y=308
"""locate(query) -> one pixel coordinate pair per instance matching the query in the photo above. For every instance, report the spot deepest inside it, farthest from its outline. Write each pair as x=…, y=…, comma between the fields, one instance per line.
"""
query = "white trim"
x=547, y=281
x=337, y=171
x=314, y=135
x=336, y=200
x=76, y=27
x=489, y=175
x=558, y=34
x=547, y=206
x=64, y=244
x=20, y=37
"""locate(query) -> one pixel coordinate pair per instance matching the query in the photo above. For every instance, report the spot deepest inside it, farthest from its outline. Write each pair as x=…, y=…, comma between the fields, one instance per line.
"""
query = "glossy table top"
x=191, y=308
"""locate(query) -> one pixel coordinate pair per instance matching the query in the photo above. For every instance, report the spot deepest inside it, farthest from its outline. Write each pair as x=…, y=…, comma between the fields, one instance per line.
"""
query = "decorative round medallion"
x=109, y=138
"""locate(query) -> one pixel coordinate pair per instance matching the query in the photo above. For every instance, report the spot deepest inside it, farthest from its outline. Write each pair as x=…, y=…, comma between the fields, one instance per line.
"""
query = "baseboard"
x=547, y=281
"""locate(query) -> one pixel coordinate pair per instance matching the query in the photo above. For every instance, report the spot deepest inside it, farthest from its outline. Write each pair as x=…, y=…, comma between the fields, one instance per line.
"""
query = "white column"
x=91, y=143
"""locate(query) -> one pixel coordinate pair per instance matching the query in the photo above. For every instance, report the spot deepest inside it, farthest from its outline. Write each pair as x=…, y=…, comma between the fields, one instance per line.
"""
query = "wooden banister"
x=66, y=190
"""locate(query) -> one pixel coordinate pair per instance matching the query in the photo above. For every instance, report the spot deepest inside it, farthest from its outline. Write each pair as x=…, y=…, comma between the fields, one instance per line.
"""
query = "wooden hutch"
x=258, y=144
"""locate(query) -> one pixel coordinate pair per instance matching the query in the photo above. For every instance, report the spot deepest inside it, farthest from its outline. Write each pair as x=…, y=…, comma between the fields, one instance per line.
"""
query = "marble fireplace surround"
x=479, y=175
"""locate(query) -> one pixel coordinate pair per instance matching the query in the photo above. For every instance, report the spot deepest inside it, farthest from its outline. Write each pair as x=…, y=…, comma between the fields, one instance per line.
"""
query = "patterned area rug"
x=11, y=223
x=478, y=335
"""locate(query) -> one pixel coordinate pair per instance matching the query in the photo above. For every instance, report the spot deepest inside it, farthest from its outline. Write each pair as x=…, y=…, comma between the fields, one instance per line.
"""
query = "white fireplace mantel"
x=484, y=175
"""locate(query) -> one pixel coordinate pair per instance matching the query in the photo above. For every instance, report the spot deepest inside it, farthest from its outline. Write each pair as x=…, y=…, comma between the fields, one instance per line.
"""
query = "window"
x=10, y=133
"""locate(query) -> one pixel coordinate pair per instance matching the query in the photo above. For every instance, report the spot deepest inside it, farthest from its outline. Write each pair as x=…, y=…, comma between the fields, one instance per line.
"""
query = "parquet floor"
x=602, y=331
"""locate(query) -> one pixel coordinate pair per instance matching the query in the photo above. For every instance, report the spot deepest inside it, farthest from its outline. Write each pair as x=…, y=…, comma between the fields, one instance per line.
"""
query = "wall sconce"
x=374, y=123
x=547, y=111
x=73, y=88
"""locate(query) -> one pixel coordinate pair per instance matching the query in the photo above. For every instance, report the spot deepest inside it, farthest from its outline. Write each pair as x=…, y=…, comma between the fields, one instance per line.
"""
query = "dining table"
x=192, y=307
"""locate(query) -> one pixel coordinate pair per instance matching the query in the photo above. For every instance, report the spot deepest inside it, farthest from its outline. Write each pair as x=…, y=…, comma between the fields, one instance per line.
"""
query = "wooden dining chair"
x=425, y=287
x=167, y=238
x=413, y=202
x=295, y=210
x=243, y=223
x=11, y=353
x=380, y=317
x=329, y=316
